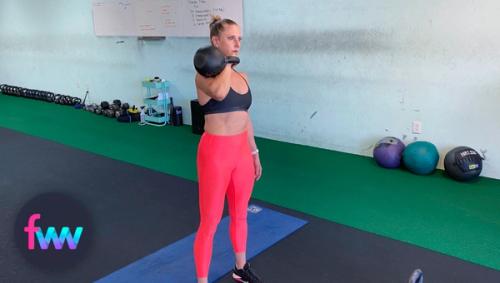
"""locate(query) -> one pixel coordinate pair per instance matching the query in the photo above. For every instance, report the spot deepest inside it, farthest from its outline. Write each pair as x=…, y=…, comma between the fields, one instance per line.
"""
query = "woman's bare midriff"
x=226, y=124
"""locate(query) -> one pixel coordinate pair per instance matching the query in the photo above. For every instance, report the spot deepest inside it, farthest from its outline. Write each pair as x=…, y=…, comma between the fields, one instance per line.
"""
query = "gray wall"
x=332, y=74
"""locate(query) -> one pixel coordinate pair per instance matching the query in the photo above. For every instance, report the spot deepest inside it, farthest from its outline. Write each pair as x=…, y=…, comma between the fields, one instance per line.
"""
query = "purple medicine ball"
x=388, y=152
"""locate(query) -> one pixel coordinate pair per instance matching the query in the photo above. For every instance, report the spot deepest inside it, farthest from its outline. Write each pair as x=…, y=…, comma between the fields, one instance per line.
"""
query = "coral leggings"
x=225, y=167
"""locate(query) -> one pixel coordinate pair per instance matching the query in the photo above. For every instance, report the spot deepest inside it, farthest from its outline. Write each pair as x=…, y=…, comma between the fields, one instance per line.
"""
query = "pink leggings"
x=225, y=167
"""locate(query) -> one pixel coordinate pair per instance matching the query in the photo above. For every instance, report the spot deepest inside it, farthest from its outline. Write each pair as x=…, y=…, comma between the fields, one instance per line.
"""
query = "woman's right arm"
x=217, y=87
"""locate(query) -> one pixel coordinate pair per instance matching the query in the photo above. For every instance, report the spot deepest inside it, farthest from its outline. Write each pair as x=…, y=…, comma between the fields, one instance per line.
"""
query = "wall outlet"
x=416, y=127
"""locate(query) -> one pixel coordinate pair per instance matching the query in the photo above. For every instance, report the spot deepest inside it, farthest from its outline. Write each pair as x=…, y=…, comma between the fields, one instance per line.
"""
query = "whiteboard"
x=187, y=18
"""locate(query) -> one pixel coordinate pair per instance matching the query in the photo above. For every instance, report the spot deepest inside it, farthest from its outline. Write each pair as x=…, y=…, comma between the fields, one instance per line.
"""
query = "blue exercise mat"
x=175, y=262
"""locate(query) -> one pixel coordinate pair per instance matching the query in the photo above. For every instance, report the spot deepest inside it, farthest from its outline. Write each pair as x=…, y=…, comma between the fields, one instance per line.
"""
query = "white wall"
x=332, y=74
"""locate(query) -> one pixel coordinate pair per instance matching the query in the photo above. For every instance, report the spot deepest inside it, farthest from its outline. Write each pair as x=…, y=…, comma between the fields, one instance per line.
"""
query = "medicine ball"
x=463, y=163
x=421, y=157
x=388, y=152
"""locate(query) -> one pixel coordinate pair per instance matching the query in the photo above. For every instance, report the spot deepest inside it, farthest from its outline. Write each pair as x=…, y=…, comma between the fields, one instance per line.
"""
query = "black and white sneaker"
x=245, y=275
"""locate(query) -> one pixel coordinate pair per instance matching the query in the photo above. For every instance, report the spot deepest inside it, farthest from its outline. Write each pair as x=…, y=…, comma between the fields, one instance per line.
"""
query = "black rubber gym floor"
x=137, y=211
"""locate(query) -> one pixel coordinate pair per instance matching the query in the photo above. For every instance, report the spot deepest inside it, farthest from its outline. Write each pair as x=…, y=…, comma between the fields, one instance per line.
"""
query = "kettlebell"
x=209, y=61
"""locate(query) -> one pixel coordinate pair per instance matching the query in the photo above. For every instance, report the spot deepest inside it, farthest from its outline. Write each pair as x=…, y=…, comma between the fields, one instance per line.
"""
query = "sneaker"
x=245, y=275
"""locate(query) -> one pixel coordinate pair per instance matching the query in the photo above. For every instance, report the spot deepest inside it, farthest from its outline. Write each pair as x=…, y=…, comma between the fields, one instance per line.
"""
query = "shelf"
x=155, y=85
x=155, y=102
x=153, y=91
x=154, y=119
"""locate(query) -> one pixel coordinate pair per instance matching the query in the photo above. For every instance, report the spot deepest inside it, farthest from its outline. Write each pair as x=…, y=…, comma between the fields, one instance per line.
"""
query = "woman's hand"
x=257, y=166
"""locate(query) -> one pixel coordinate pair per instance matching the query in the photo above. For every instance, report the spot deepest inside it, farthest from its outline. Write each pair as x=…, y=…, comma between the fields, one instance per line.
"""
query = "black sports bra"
x=232, y=102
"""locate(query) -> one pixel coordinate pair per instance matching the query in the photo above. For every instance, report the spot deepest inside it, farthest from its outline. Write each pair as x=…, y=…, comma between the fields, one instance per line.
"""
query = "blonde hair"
x=217, y=25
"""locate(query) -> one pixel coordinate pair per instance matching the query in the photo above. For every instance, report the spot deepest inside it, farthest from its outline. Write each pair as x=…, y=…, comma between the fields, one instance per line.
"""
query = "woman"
x=228, y=159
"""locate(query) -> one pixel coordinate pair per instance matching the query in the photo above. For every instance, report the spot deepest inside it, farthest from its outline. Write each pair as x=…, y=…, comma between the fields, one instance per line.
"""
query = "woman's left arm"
x=254, y=149
x=251, y=142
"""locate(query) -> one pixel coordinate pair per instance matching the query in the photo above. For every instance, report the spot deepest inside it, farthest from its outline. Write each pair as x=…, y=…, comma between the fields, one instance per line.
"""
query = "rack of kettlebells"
x=158, y=111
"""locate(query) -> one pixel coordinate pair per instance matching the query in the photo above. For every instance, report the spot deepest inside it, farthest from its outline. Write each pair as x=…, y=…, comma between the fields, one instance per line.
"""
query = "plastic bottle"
x=143, y=116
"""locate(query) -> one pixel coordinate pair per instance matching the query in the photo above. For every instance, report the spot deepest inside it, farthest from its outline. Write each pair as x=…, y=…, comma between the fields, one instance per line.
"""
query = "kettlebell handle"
x=232, y=60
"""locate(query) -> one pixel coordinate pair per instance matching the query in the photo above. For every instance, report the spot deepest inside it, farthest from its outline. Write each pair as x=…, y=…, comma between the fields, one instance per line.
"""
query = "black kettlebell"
x=209, y=61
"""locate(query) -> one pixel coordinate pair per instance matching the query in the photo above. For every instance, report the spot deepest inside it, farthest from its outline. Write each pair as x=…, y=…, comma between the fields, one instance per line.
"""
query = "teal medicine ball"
x=421, y=157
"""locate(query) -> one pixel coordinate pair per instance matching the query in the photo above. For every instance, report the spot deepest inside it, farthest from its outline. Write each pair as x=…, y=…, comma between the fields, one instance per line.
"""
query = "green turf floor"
x=461, y=220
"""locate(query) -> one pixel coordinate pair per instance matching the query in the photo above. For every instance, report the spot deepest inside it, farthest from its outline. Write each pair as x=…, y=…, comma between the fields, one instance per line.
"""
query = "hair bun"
x=215, y=19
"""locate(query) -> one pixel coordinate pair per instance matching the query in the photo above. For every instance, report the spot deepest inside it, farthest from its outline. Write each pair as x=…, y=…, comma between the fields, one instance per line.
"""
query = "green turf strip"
x=461, y=220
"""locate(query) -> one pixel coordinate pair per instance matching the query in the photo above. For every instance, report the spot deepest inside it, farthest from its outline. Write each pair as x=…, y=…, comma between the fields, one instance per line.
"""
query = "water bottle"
x=171, y=113
x=416, y=277
x=143, y=116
